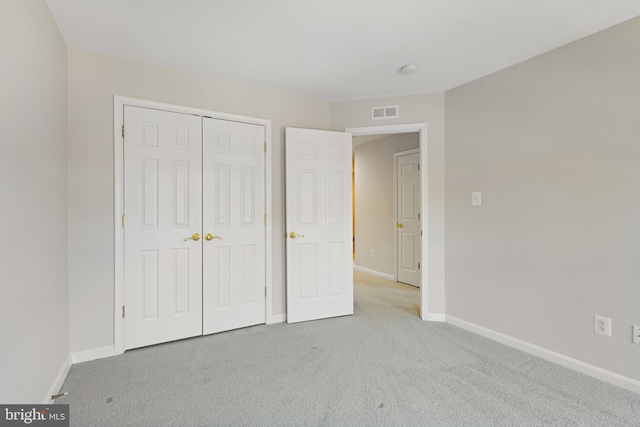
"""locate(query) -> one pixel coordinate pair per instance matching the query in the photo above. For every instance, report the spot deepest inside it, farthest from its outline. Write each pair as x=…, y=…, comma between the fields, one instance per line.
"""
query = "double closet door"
x=194, y=232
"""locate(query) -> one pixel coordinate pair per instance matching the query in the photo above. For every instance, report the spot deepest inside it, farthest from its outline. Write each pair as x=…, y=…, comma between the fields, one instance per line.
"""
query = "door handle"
x=210, y=237
x=293, y=235
x=194, y=236
x=398, y=225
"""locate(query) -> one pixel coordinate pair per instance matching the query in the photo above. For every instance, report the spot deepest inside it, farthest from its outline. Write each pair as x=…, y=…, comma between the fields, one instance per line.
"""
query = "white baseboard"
x=434, y=317
x=93, y=354
x=546, y=354
x=374, y=273
x=277, y=318
x=57, y=383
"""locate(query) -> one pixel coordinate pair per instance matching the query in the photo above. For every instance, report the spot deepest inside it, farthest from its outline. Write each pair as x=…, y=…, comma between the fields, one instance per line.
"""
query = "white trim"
x=546, y=354
x=436, y=317
x=58, y=382
x=374, y=273
x=118, y=211
x=421, y=128
x=93, y=354
x=387, y=129
x=269, y=230
x=277, y=318
x=395, y=206
x=118, y=119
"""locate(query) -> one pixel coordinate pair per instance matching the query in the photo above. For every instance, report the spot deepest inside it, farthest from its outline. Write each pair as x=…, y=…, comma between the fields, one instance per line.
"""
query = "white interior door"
x=408, y=218
x=162, y=205
x=233, y=225
x=318, y=224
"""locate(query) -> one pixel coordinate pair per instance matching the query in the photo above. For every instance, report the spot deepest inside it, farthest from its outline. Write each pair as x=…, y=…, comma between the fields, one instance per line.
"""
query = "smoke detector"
x=409, y=69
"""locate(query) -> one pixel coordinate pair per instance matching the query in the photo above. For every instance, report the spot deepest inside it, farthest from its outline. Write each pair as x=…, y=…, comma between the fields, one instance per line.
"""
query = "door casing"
x=425, y=292
x=119, y=103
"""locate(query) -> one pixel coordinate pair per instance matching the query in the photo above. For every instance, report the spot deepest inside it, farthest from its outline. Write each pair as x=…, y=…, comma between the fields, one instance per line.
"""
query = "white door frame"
x=395, y=206
x=118, y=119
x=421, y=128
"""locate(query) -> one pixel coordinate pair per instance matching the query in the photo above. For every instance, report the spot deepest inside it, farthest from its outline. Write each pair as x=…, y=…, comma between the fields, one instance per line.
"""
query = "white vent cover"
x=387, y=112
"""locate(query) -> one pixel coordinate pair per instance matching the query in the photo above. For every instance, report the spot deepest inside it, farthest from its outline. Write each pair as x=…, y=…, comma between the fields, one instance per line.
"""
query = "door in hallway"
x=408, y=217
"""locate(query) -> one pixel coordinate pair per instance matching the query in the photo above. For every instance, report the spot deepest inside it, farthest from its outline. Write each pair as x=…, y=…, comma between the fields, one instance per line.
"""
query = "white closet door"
x=318, y=224
x=408, y=218
x=233, y=215
x=162, y=201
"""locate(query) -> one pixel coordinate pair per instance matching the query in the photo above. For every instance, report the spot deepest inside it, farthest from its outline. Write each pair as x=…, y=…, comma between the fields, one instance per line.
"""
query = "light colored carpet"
x=382, y=366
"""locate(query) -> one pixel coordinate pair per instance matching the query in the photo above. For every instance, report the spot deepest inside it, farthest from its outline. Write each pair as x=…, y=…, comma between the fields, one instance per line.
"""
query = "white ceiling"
x=335, y=49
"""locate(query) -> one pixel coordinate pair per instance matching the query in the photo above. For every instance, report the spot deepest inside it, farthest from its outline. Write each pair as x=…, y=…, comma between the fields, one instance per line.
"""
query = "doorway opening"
x=384, y=242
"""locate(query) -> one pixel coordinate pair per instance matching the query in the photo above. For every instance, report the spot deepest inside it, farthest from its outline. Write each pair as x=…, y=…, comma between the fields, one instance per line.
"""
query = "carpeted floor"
x=383, y=366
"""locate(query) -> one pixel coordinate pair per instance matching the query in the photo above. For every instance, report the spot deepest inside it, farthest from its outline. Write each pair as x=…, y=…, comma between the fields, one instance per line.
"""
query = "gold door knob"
x=293, y=235
x=210, y=237
x=194, y=236
x=399, y=225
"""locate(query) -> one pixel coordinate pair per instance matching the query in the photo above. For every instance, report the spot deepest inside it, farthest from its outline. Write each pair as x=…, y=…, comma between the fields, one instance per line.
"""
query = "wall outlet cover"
x=602, y=325
x=476, y=198
x=636, y=334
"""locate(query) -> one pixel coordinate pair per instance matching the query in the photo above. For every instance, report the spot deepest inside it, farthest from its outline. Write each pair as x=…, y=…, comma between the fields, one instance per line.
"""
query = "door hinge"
x=265, y=219
x=265, y=147
x=421, y=232
x=418, y=266
x=265, y=291
x=123, y=311
x=123, y=131
x=418, y=166
x=418, y=215
x=123, y=221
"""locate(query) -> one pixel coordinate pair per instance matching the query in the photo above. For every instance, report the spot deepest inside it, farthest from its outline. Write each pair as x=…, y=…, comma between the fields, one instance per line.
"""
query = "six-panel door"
x=195, y=230
x=233, y=218
x=162, y=204
x=318, y=224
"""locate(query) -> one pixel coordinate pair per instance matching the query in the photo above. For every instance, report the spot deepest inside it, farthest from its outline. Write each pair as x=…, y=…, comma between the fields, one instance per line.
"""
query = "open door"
x=318, y=224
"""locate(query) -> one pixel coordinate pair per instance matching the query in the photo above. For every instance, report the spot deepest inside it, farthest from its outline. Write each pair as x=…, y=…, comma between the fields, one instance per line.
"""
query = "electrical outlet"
x=476, y=198
x=636, y=334
x=372, y=253
x=602, y=325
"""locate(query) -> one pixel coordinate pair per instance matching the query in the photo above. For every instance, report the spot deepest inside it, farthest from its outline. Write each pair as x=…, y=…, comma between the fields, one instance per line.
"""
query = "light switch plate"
x=476, y=198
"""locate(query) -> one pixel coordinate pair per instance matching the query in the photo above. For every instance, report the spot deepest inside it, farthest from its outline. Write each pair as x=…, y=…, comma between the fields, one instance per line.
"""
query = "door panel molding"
x=119, y=103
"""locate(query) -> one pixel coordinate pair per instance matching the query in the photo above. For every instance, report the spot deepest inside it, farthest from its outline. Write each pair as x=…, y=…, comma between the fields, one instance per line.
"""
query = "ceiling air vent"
x=388, y=112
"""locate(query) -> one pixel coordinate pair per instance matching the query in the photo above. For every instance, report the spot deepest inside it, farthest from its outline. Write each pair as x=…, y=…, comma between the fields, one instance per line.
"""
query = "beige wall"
x=427, y=108
x=553, y=144
x=374, y=223
x=34, y=315
x=93, y=81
